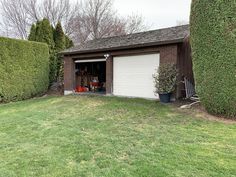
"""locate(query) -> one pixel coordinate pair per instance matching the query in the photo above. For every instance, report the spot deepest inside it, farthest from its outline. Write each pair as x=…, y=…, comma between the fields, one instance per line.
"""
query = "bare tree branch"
x=135, y=23
x=15, y=17
x=98, y=19
x=32, y=9
x=82, y=21
x=21, y=14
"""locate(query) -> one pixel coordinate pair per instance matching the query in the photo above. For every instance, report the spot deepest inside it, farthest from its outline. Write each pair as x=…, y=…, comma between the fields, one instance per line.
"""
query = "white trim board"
x=90, y=61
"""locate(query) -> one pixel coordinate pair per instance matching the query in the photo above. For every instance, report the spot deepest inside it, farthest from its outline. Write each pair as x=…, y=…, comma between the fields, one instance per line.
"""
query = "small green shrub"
x=24, y=69
x=165, y=79
x=213, y=40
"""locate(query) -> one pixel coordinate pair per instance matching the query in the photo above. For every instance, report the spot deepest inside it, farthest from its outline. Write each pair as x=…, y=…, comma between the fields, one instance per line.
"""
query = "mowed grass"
x=105, y=136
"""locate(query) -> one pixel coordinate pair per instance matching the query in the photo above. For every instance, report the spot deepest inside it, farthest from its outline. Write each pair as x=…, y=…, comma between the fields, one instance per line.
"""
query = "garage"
x=124, y=65
x=133, y=75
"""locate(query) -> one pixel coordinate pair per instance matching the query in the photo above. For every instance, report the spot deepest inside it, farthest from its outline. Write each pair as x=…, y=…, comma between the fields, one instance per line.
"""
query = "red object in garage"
x=81, y=89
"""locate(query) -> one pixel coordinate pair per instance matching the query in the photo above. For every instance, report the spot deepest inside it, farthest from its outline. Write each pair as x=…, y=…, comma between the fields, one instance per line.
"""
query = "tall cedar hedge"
x=56, y=40
x=213, y=40
x=24, y=69
x=60, y=44
x=44, y=33
x=32, y=33
x=59, y=38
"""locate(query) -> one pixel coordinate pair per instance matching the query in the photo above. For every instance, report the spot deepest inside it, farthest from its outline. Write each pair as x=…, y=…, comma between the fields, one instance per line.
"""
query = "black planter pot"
x=165, y=97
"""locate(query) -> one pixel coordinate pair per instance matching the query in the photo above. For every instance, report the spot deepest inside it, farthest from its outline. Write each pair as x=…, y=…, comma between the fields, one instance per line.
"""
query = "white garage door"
x=133, y=75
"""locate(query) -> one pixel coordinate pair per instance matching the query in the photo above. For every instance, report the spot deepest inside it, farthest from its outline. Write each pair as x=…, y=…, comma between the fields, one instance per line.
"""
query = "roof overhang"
x=123, y=47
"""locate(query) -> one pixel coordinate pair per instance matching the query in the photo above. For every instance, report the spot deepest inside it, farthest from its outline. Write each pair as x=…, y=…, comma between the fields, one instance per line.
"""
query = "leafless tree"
x=97, y=19
x=19, y=15
x=135, y=23
x=82, y=21
x=14, y=17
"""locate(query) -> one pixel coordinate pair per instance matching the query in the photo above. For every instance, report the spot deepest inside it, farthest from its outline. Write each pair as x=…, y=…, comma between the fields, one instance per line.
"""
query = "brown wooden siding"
x=185, y=65
x=69, y=74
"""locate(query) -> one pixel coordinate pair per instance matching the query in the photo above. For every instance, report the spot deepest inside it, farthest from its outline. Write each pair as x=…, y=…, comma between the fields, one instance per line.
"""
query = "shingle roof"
x=149, y=38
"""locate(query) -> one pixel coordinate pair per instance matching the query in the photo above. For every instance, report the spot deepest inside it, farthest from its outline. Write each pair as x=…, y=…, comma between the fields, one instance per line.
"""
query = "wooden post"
x=69, y=75
x=109, y=75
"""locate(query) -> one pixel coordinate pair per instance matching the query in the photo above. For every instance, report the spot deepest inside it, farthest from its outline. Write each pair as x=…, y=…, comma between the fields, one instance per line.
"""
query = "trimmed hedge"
x=24, y=69
x=213, y=40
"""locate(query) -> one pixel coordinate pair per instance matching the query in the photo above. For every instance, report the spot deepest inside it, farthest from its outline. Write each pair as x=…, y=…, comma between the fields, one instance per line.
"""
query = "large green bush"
x=57, y=41
x=44, y=33
x=24, y=69
x=213, y=40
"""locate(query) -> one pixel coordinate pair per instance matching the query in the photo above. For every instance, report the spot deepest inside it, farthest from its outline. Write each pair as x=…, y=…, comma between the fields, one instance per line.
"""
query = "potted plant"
x=165, y=80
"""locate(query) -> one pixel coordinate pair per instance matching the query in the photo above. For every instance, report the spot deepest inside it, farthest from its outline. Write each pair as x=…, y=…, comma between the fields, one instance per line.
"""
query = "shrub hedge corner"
x=213, y=40
x=24, y=69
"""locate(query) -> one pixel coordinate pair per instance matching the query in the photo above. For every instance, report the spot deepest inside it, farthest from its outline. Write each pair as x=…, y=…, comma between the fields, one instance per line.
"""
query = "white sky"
x=157, y=13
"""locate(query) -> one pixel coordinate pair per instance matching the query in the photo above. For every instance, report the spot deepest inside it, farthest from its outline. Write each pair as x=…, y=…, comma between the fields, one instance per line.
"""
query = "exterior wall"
x=185, y=66
x=69, y=75
x=168, y=54
x=185, y=60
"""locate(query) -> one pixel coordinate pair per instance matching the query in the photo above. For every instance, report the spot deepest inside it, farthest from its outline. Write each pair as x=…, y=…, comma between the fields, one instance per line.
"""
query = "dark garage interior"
x=91, y=77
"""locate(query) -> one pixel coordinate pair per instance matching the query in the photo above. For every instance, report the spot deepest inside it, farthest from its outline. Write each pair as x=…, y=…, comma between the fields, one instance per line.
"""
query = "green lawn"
x=105, y=136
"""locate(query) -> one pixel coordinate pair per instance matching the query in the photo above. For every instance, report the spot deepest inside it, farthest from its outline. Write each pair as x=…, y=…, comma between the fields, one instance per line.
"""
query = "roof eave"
x=124, y=47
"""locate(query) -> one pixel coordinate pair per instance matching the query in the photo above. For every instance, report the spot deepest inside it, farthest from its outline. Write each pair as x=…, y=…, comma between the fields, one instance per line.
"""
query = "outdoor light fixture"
x=107, y=56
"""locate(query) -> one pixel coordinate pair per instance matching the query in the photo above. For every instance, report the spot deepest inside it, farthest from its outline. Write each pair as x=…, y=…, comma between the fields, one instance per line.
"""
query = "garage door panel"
x=133, y=75
x=139, y=83
x=134, y=78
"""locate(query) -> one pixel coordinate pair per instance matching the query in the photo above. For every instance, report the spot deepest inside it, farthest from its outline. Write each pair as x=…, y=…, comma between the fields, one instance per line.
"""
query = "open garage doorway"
x=91, y=76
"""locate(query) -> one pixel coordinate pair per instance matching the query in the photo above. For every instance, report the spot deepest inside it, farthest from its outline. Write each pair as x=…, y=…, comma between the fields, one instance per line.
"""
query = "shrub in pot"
x=165, y=80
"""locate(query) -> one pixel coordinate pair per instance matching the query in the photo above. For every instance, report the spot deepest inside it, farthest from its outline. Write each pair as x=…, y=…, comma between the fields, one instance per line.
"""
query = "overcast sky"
x=158, y=13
